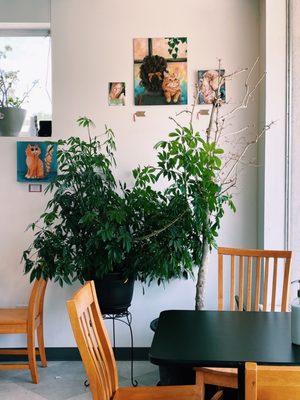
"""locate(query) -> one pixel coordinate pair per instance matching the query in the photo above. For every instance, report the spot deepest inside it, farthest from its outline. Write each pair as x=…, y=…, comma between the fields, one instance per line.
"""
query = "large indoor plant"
x=12, y=115
x=83, y=233
x=93, y=226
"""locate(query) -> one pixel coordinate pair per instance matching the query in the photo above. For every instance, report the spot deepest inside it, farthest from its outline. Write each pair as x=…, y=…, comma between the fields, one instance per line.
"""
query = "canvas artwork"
x=208, y=81
x=160, y=71
x=116, y=94
x=36, y=161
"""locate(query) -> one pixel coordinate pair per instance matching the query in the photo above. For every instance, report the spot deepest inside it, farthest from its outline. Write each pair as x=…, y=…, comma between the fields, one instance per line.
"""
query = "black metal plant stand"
x=126, y=318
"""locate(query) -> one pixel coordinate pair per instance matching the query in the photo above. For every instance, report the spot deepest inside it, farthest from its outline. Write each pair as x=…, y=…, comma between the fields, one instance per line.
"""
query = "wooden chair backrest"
x=93, y=342
x=36, y=300
x=272, y=382
x=263, y=261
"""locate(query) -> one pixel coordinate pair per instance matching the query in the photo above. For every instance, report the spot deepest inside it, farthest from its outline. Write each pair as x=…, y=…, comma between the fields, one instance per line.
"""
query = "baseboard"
x=72, y=354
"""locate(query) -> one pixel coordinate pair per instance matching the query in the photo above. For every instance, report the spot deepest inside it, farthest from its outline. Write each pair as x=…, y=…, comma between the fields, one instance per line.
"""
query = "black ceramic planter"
x=114, y=294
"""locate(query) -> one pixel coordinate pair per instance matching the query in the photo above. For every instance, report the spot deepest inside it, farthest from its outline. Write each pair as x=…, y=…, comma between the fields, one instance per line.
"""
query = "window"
x=30, y=54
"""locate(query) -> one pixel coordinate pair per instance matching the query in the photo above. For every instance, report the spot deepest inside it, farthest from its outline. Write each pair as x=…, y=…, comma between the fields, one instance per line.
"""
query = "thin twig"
x=218, y=101
x=183, y=112
x=246, y=99
x=238, y=131
x=196, y=96
x=177, y=123
x=246, y=148
x=158, y=231
x=235, y=73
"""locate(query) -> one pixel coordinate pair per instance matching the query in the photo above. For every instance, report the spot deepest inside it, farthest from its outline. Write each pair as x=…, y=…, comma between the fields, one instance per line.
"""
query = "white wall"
x=92, y=45
x=13, y=11
x=271, y=182
x=295, y=200
x=274, y=152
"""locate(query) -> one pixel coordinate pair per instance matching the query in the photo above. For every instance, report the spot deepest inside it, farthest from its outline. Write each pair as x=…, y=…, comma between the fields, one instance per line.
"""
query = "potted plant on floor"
x=93, y=227
x=12, y=115
x=83, y=233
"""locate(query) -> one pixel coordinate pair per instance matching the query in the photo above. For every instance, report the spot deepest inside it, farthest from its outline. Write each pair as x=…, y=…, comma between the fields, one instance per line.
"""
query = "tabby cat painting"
x=36, y=161
x=160, y=71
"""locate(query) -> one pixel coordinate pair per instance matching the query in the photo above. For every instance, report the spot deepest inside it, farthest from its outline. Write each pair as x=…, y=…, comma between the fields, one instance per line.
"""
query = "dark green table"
x=223, y=339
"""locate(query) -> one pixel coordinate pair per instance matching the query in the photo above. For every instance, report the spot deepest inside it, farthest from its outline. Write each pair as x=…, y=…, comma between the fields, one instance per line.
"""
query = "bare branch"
x=177, y=123
x=158, y=231
x=196, y=97
x=183, y=112
x=235, y=73
x=246, y=148
x=220, y=81
x=244, y=129
x=251, y=70
x=211, y=121
x=231, y=185
x=248, y=93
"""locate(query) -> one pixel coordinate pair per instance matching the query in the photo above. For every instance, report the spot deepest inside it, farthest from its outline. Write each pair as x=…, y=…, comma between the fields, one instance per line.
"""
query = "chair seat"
x=191, y=392
x=224, y=371
x=13, y=316
x=222, y=377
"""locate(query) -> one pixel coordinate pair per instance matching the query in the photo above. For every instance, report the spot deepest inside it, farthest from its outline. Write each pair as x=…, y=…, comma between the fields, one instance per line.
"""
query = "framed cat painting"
x=160, y=71
x=209, y=81
x=36, y=161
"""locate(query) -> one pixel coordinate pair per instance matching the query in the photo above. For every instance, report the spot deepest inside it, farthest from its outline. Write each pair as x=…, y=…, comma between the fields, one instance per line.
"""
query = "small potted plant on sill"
x=12, y=115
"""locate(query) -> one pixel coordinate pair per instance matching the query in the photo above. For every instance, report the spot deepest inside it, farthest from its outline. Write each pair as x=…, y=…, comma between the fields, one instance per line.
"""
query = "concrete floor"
x=63, y=380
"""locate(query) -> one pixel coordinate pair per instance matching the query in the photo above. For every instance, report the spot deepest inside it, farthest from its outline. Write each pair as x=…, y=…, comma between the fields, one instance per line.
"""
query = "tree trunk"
x=200, y=286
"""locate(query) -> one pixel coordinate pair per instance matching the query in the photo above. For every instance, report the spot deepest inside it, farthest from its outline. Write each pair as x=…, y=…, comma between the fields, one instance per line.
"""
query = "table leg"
x=241, y=381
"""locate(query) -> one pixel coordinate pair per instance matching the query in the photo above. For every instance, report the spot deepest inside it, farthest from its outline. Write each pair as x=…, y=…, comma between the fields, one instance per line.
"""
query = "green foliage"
x=8, y=83
x=84, y=231
x=174, y=43
x=93, y=225
x=180, y=220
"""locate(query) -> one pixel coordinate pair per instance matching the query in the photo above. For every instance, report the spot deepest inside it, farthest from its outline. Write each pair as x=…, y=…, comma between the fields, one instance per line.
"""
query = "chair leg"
x=32, y=357
x=40, y=336
x=218, y=396
x=200, y=384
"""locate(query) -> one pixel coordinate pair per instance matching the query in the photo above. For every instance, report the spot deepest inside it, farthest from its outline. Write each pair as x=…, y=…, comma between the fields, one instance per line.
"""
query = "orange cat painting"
x=171, y=87
x=34, y=163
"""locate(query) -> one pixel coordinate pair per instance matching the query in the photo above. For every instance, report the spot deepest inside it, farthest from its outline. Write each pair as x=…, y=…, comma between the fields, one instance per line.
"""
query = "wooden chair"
x=98, y=358
x=272, y=382
x=26, y=320
x=260, y=265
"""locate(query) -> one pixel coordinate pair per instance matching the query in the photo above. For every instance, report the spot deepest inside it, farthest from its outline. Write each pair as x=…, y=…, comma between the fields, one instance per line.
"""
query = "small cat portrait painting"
x=36, y=162
x=210, y=81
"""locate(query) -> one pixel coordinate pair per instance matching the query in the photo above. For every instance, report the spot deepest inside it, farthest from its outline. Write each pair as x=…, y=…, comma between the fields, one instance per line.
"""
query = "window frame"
x=25, y=30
